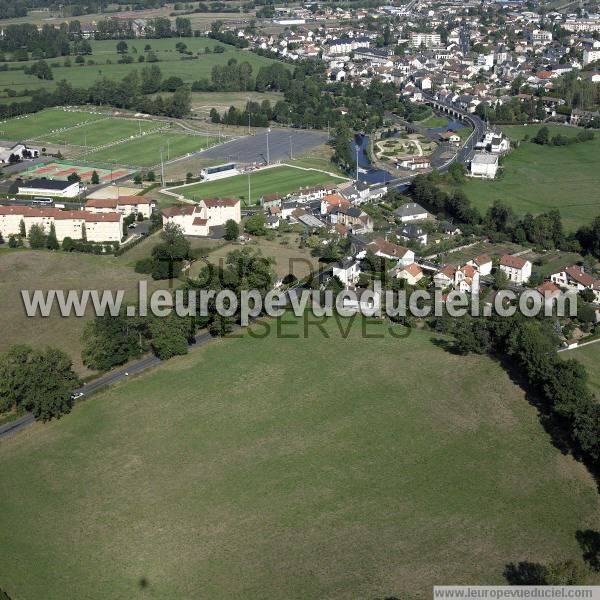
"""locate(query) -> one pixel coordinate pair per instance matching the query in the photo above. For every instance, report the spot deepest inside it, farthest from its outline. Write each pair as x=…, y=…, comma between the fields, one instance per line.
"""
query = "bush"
x=144, y=265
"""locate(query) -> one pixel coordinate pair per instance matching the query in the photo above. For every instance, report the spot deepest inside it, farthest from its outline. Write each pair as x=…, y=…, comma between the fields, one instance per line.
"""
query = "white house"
x=575, y=278
x=197, y=219
x=483, y=263
x=415, y=164
x=347, y=271
x=21, y=151
x=385, y=249
x=411, y=212
x=411, y=273
x=484, y=165
x=515, y=268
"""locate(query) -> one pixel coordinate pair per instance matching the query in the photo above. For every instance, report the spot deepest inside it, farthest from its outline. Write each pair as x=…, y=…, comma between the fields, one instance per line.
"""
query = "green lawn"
x=145, y=151
x=170, y=63
x=434, y=122
x=104, y=132
x=44, y=123
x=590, y=357
x=290, y=468
x=282, y=180
x=539, y=178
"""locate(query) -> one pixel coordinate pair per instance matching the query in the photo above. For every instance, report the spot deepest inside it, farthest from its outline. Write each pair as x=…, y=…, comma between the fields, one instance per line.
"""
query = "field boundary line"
x=283, y=164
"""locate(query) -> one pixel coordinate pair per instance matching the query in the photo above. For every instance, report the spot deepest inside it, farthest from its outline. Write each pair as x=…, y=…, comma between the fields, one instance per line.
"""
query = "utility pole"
x=162, y=169
x=247, y=103
x=168, y=148
x=268, y=155
x=356, y=163
x=249, y=197
x=291, y=151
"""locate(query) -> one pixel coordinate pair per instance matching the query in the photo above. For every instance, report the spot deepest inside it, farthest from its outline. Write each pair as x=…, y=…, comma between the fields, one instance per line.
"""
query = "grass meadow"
x=282, y=180
x=44, y=270
x=170, y=63
x=540, y=178
x=290, y=466
x=589, y=355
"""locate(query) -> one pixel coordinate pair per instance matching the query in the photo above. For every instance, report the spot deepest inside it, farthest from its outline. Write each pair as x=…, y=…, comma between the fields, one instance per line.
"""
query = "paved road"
x=253, y=148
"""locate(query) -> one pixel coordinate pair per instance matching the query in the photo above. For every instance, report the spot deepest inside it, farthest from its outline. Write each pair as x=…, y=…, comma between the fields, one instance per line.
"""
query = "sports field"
x=48, y=122
x=282, y=180
x=106, y=131
x=105, y=58
x=145, y=151
x=234, y=472
x=539, y=178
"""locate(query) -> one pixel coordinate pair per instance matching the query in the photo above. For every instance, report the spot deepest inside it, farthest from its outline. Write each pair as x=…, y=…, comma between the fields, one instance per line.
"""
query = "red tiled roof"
x=515, y=262
x=199, y=221
x=178, y=211
x=101, y=203
x=214, y=202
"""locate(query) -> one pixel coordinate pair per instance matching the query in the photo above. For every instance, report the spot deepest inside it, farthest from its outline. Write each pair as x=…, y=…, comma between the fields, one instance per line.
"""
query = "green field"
x=145, y=151
x=170, y=63
x=434, y=121
x=397, y=467
x=104, y=132
x=590, y=357
x=539, y=178
x=44, y=123
x=282, y=180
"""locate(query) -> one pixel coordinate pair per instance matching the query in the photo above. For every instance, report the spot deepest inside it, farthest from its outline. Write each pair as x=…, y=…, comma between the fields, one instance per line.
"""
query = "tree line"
x=559, y=385
x=500, y=223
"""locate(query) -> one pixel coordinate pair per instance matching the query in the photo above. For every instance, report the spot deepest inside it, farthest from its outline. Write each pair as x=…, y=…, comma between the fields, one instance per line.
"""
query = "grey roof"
x=409, y=210
x=47, y=184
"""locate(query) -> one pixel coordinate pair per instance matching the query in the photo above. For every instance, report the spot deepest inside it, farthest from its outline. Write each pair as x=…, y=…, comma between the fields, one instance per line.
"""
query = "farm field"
x=145, y=151
x=106, y=131
x=539, y=178
x=362, y=483
x=282, y=180
x=44, y=123
x=29, y=270
x=202, y=102
x=170, y=63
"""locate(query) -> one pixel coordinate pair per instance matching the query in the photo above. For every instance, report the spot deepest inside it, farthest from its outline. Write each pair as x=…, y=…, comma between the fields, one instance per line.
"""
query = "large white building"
x=197, y=219
x=126, y=205
x=98, y=227
x=484, y=165
x=49, y=187
x=429, y=40
x=590, y=56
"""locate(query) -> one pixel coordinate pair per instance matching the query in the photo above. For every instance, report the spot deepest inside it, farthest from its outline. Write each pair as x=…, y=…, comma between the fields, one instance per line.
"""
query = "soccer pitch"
x=145, y=151
x=47, y=122
x=111, y=129
x=282, y=180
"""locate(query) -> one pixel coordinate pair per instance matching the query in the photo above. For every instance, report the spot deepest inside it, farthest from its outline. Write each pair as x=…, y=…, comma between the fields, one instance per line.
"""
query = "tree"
x=113, y=340
x=232, y=230
x=51, y=240
x=37, y=237
x=255, y=224
x=95, y=178
x=67, y=244
x=40, y=381
x=542, y=136
x=170, y=336
x=22, y=231
x=121, y=47
x=181, y=102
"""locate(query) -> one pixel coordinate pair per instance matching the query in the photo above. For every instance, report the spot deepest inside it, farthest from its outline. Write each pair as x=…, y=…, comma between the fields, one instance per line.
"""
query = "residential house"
x=347, y=271
x=483, y=263
x=516, y=269
x=411, y=273
x=411, y=212
x=575, y=278
x=484, y=165
x=412, y=232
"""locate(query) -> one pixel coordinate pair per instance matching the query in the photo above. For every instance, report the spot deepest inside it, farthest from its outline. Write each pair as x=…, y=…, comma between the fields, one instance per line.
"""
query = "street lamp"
x=268, y=155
